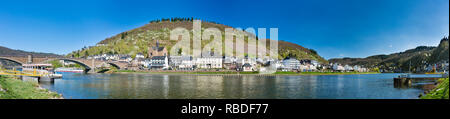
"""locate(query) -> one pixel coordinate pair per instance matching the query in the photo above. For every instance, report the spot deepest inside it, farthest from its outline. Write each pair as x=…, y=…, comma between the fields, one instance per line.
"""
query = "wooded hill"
x=7, y=52
x=139, y=39
x=418, y=56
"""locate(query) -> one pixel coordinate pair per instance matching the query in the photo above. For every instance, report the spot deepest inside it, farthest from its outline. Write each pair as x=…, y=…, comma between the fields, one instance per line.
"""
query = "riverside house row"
x=214, y=63
x=158, y=59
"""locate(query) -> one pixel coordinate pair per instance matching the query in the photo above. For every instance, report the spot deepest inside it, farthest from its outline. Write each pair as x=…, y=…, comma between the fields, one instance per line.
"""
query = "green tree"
x=180, y=51
x=313, y=51
x=77, y=54
x=56, y=64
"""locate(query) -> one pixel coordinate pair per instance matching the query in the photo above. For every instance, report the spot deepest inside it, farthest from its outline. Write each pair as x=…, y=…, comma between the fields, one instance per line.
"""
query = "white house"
x=338, y=67
x=303, y=68
x=139, y=56
x=291, y=64
x=315, y=63
x=187, y=65
x=159, y=62
x=125, y=58
x=278, y=64
x=348, y=68
x=312, y=67
x=181, y=62
x=356, y=68
x=145, y=62
x=208, y=62
x=251, y=61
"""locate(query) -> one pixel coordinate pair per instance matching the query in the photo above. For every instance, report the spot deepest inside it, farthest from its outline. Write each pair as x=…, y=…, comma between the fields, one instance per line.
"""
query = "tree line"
x=173, y=19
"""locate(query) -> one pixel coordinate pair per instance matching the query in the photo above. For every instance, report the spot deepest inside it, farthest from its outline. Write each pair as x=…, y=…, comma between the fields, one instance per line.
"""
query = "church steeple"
x=157, y=44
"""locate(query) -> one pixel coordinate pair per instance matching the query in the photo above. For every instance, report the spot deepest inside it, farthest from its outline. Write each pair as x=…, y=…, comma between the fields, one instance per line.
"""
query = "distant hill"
x=441, y=52
x=417, y=57
x=139, y=39
x=7, y=52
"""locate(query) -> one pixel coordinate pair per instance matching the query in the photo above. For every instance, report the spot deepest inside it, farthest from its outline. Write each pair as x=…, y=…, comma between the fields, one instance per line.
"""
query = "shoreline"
x=12, y=88
x=244, y=73
x=440, y=90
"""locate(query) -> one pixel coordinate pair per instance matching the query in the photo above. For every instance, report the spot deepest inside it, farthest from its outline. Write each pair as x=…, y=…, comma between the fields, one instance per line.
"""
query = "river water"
x=153, y=86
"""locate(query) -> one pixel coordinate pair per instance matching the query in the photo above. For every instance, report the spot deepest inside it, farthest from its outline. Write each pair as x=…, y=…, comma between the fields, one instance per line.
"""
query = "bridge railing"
x=20, y=73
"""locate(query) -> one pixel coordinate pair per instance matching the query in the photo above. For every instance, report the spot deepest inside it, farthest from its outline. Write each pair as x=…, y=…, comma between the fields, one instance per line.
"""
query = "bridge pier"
x=29, y=79
x=46, y=79
x=37, y=79
x=402, y=82
x=89, y=71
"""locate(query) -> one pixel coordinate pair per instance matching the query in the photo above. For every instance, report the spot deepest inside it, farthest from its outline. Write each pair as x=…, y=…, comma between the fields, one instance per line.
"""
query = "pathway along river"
x=152, y=86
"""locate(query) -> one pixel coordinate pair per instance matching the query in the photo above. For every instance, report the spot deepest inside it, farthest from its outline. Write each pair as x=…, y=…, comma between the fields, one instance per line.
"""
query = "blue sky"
x=334, y=28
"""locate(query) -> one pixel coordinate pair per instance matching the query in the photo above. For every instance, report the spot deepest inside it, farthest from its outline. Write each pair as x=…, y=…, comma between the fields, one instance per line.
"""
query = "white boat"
x=45, y=71
x=73, y=70
x=40, y=69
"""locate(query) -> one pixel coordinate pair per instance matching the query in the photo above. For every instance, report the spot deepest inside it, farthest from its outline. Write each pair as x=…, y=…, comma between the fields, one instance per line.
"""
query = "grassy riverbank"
x=440, y=92
x=16, y=89
x=244, y=73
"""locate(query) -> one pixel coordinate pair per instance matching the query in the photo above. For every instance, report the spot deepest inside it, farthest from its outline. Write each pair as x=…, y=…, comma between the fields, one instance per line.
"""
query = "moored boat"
x=73, y=70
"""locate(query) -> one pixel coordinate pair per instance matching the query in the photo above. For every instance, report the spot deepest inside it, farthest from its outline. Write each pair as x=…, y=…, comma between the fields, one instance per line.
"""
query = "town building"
x=134, y=65
x=124, y=58
x=309, y=65
x=337, y=67
x=229, y=63
x=187, y=65
x=176, y=61
x=157, y=51
x=209, y=62
x=241, y=62
x=247, y=67
x=348, y=68
x=146, y=63
x=139, y=56
x=159, y=62
x=277, y=63
x=290, y=64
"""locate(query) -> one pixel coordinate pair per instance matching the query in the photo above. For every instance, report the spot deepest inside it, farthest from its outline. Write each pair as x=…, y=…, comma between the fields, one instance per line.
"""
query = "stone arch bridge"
x=88, y=64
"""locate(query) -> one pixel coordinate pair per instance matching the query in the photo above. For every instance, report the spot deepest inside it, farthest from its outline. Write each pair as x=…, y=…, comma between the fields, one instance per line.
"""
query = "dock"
x=406, y=79
x=39, y=76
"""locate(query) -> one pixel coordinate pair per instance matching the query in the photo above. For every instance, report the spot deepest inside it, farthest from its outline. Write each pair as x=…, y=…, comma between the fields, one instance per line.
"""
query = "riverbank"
x=325, y=73
x=11, y=88
x=440, y=92
x=241, y=73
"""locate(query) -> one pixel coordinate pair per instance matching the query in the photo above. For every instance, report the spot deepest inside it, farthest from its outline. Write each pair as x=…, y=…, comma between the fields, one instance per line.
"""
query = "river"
x=156, y=86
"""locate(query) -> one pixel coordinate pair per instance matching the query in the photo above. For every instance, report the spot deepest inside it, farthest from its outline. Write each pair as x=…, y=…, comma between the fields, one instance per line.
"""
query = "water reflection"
x=124, y=86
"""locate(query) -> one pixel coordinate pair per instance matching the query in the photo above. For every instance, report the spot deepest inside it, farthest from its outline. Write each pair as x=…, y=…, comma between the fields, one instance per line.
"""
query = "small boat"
x=73, y=70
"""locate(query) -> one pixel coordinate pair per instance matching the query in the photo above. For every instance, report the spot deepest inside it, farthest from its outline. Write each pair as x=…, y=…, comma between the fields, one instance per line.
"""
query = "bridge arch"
x=87, y=68
x=114, y=65
x=12, y=60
